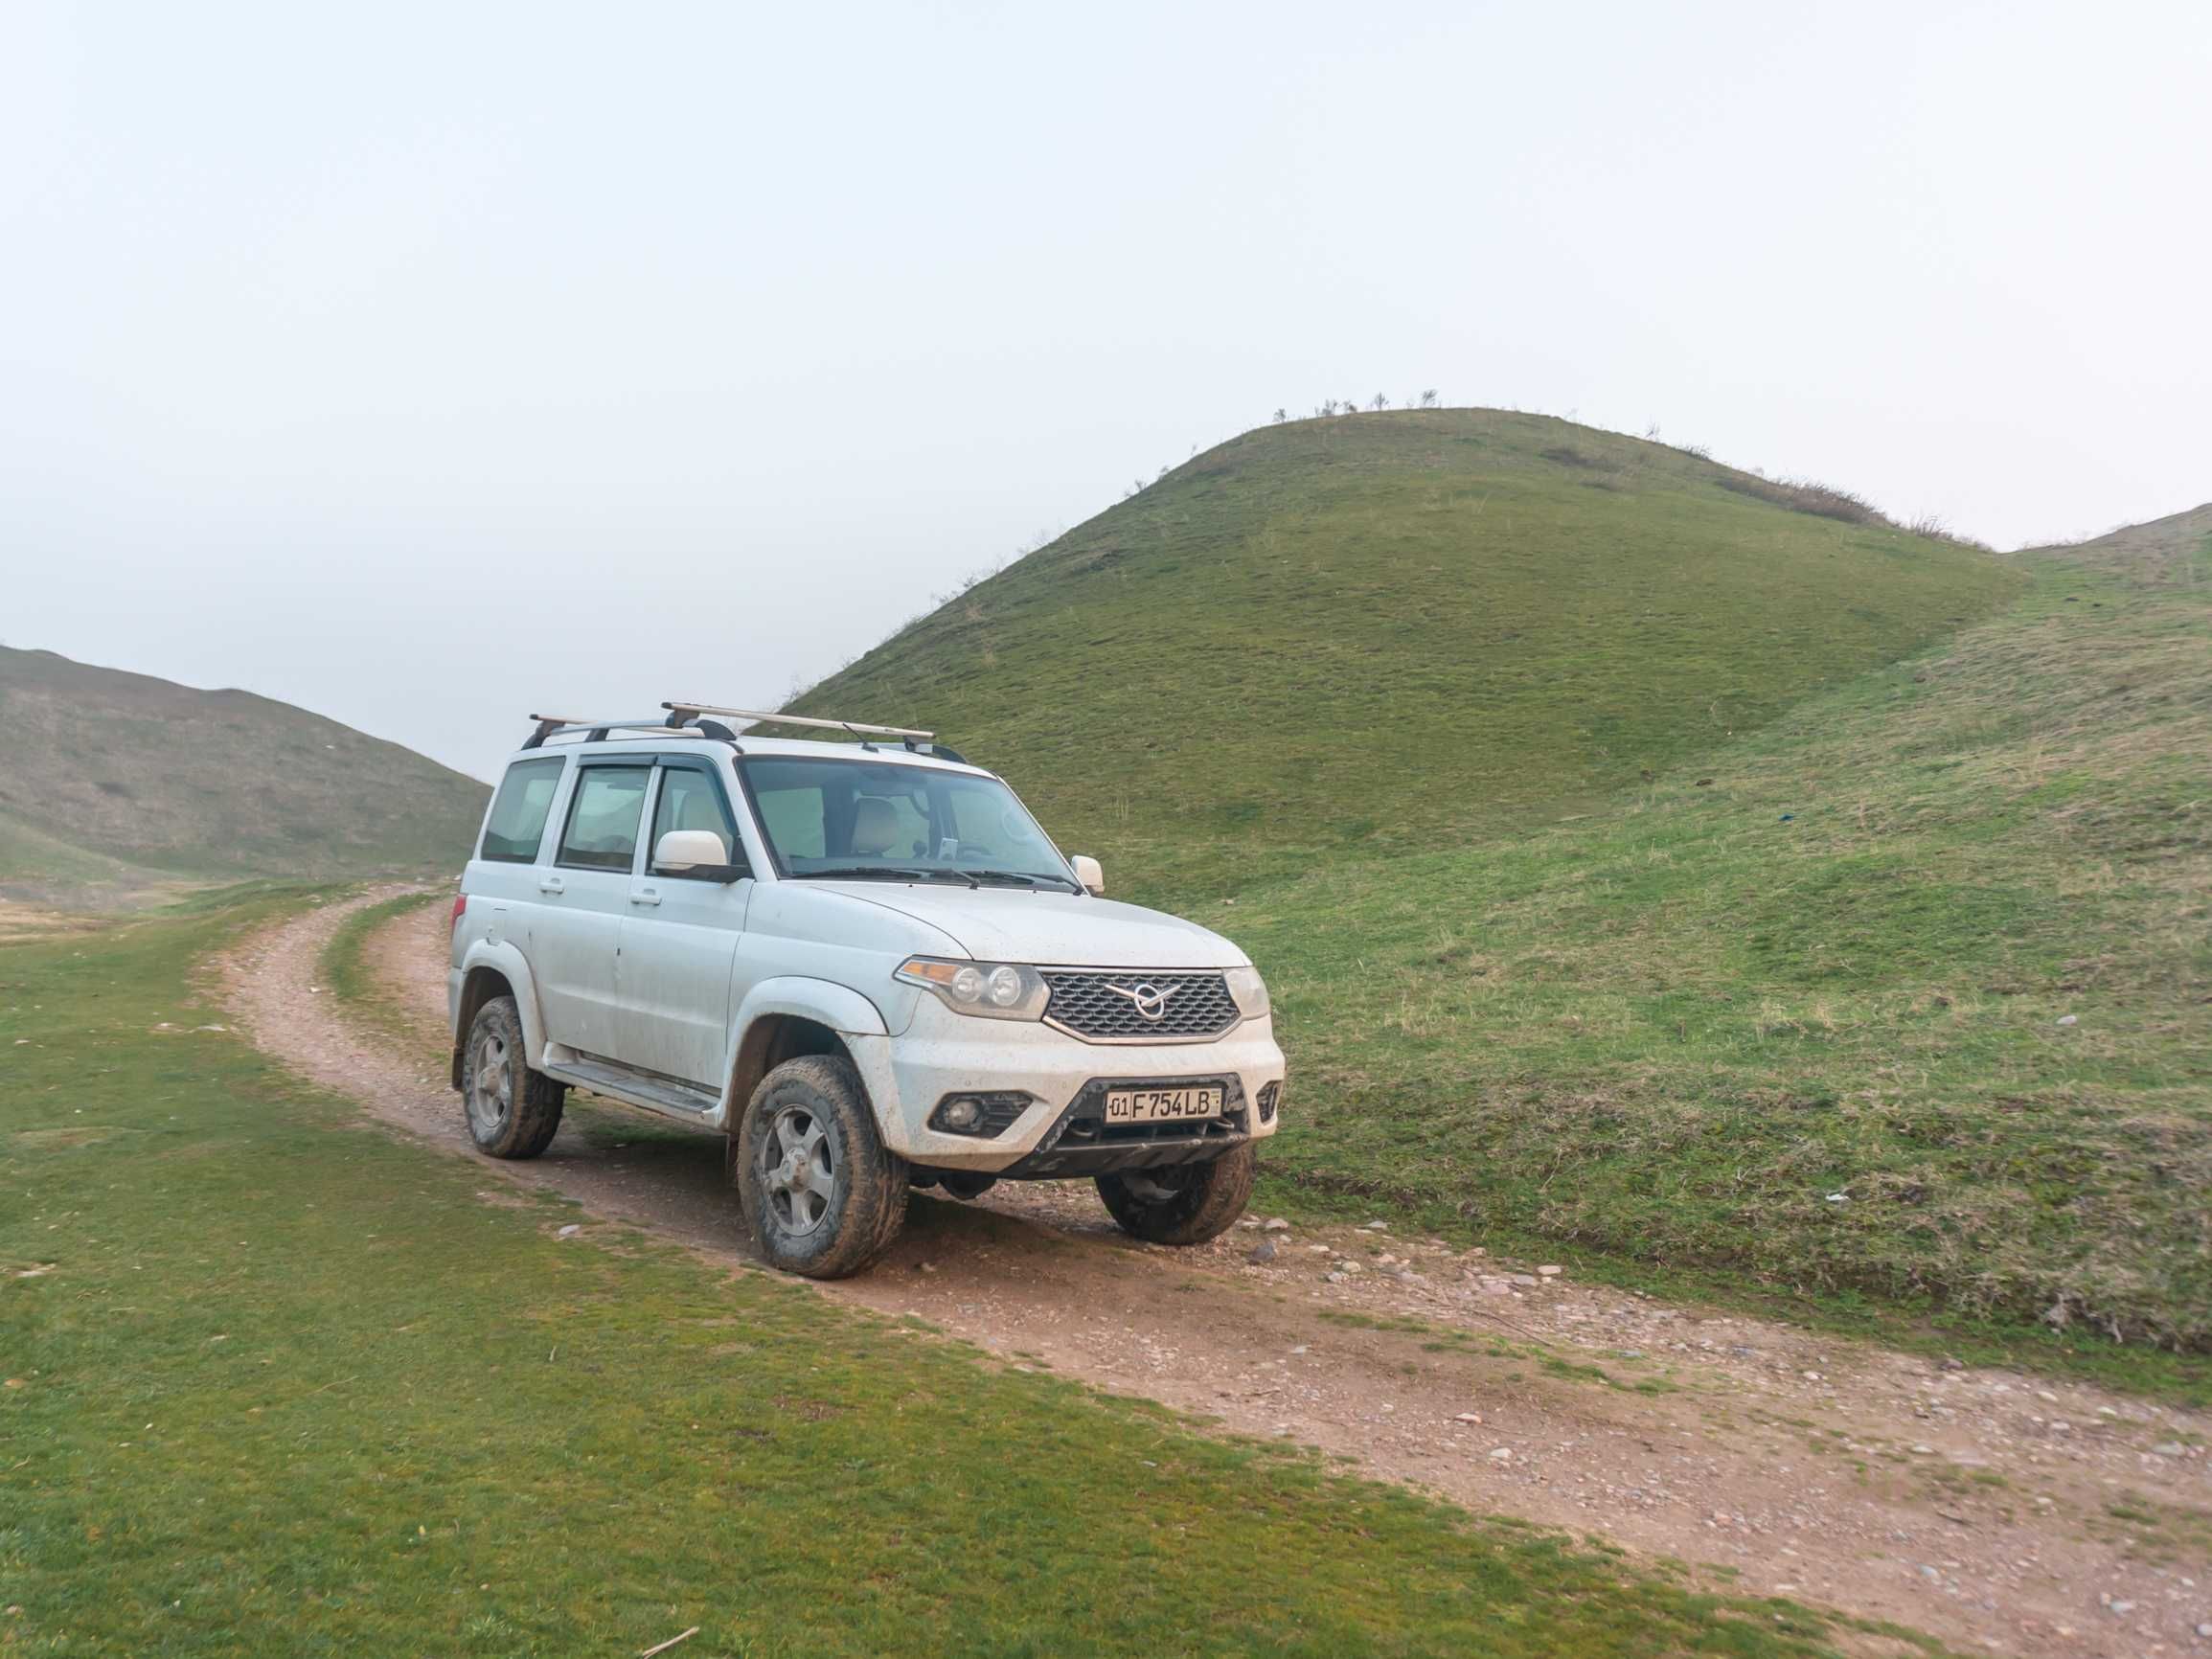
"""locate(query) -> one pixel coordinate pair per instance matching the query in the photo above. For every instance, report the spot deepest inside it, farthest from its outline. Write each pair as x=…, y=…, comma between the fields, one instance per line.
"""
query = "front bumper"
x=1060, y=1131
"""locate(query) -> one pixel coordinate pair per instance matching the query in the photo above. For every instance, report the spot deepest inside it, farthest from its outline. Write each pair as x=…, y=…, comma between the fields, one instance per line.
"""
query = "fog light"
x=1270, y=1095
x=983, y=1116
x=962, y=1114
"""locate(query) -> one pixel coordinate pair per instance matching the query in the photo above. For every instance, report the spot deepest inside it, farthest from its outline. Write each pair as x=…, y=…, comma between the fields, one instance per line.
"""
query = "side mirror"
x=1087, y=872
x=695, y=855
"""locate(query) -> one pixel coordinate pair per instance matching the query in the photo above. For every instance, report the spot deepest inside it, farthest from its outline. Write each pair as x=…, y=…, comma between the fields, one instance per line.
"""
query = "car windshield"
x=874, y=820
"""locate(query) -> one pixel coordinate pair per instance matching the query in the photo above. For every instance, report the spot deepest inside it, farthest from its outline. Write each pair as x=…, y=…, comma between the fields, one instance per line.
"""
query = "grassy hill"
x=1907, y=996
x=1670, y=880
x=1399, y=631
x=116, y=785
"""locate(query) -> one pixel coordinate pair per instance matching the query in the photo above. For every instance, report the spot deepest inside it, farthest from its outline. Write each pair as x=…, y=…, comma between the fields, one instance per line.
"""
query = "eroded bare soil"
x=1997, y=1511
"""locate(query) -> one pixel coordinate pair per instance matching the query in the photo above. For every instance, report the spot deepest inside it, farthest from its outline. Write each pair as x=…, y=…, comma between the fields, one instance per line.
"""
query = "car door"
x=679, y=938
x=583, y=898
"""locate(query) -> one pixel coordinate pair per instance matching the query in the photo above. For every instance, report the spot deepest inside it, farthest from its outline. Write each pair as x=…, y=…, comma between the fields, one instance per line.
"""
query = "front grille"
x=1109, y=1007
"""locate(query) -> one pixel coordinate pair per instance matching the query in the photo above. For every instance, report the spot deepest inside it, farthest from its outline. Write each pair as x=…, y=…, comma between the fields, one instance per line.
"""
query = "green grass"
x=275, y=1382
x=1343, y=637
x=1829, y=958
x=349, y=975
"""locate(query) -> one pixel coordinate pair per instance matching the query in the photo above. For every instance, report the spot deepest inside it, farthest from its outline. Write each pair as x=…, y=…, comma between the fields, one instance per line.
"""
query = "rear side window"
x=602, y=819
x=512, y=835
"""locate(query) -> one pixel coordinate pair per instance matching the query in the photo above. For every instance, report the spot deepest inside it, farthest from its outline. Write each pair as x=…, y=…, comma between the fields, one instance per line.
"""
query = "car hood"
x=1051, y=930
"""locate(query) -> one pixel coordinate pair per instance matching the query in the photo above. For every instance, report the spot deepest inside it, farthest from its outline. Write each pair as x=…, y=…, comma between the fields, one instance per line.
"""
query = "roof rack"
x=650, y=726
x=919, y=741
x=690, y=720
x=687, y=711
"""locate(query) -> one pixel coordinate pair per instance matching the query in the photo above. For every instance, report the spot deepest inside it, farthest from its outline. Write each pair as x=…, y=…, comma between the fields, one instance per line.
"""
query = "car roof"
x=889, y=753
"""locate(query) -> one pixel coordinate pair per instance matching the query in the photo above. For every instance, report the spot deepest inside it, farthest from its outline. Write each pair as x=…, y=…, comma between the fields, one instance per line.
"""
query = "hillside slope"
x=1665, y=879
x=1908, y=995
x=113, y=783
x=1396, y=630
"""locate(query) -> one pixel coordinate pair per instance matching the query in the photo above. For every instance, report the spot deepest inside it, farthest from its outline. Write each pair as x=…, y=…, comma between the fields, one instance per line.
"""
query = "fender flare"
x=513, y=966
x=824, y=1002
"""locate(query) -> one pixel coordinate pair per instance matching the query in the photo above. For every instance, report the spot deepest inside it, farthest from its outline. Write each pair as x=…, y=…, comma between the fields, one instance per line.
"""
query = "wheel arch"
x=784, y=1018
x=489, y=972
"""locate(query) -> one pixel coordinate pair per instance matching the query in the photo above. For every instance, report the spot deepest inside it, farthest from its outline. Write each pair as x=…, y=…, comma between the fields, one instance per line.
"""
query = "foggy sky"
x=429, y=365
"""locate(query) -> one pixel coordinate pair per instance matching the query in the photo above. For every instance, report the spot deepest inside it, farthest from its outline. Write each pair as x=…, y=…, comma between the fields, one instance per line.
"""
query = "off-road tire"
x=868, y=1204
x=1181, y=1203
x=517, y=1111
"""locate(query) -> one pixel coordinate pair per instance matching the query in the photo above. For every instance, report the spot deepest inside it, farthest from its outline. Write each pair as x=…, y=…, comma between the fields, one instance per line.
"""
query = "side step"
x=639, y=1088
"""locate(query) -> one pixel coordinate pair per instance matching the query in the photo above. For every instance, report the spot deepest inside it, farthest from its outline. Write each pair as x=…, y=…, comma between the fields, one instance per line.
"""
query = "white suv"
x=864, y=964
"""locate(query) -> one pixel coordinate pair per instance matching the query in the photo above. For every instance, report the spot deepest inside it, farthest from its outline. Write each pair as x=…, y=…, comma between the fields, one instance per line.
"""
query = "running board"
x=637, y=1088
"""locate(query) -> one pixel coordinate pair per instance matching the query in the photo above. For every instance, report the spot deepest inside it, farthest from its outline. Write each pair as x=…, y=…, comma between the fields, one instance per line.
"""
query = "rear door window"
x=602, y=819
x=517, y=826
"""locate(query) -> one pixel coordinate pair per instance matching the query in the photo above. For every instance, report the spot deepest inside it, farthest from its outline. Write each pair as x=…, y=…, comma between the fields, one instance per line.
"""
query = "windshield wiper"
x=1024, y=877
x=881, y=873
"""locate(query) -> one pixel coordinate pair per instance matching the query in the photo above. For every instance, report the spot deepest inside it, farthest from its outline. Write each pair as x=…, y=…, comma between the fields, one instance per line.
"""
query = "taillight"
x=460, y=909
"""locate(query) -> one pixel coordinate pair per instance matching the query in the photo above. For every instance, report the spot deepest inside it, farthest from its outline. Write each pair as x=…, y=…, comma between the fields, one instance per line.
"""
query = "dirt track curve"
x=1978, y=1505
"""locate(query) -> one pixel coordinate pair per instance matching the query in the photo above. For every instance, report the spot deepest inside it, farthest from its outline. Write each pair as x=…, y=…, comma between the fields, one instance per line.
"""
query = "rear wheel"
x=1181, y=1203
x=821, y=1193
x=513, y=1111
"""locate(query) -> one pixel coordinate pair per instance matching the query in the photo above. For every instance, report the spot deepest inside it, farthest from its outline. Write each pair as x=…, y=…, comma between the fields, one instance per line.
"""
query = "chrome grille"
x=1109, y=1007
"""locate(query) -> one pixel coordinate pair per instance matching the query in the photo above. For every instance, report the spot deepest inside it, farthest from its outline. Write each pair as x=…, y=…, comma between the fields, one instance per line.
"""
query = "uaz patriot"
x=862, y=962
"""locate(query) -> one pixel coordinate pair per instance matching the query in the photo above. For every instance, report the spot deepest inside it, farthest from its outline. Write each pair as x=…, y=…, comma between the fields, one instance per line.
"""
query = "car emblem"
x=1150, y=1000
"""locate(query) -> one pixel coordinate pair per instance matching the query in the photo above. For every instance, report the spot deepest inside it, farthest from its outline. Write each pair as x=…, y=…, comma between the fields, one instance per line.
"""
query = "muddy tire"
x=512, y=1112
x=822, y=1195
x=1182, y=1203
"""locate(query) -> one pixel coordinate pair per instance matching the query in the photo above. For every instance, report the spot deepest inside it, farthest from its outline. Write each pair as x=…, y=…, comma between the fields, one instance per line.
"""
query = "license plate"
x=1161, y=1105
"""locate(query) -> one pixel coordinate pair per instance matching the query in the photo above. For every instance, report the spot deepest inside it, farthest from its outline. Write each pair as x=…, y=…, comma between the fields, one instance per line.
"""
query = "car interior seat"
x=874, y=827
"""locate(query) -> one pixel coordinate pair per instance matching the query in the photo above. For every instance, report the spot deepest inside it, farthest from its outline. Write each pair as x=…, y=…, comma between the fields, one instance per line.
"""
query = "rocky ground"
x=1996, y=1511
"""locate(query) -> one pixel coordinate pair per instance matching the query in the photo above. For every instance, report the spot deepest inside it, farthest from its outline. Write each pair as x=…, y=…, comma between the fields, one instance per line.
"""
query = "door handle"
x=551, y=884
x=646, y=896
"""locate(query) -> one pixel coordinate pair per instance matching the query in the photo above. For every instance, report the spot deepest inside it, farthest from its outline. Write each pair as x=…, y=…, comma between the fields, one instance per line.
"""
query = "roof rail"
x=687, y=720
x=652, y=725
x=687, y=711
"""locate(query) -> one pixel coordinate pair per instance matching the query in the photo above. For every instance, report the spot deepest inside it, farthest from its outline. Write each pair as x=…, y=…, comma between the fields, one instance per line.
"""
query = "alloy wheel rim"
x=492, y=1083
x=798, y=1170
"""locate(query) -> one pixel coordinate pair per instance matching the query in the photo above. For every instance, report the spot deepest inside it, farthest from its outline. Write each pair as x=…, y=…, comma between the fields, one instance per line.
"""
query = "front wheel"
x=1181, y=1203
x=822, y=1195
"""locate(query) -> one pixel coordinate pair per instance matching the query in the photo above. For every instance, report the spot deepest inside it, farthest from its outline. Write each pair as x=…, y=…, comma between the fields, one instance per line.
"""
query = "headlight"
x=990, y=989
x=1248, y=991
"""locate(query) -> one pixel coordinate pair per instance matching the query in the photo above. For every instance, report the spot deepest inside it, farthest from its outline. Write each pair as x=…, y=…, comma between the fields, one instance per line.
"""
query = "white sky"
x=429, y=364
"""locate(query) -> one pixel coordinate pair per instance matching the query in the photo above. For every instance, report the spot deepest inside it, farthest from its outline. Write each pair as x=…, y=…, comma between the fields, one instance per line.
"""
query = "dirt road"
x=1997, y=1511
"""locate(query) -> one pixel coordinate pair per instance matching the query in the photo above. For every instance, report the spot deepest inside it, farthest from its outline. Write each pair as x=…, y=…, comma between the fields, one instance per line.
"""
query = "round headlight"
x=967, y=986
x=1004, y=987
